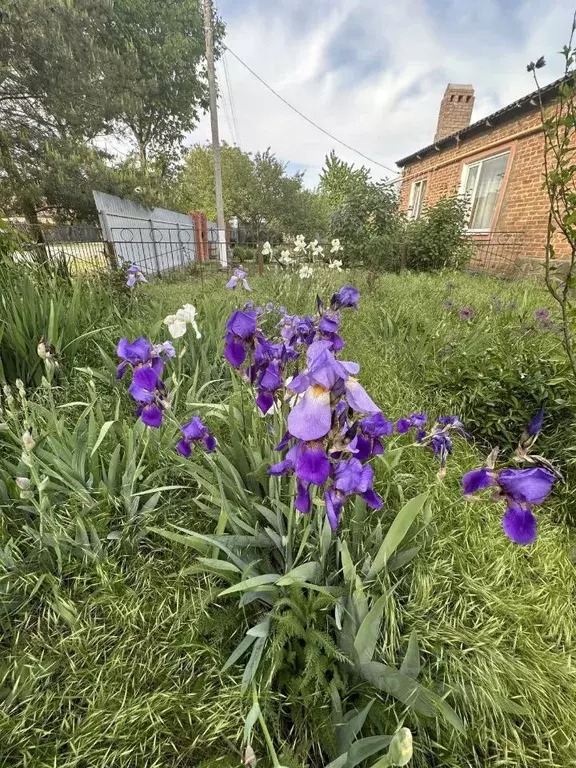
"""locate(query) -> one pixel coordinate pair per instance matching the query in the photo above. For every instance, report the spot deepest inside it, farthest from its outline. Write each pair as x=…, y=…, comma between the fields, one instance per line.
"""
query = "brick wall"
x=523, y=204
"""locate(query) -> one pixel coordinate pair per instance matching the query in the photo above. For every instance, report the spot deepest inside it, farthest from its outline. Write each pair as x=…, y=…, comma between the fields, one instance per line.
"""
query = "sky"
x=373, y=72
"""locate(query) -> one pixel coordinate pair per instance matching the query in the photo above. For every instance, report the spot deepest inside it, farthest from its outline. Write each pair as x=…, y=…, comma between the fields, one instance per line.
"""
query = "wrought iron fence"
x=82, y=249
x=498, y=252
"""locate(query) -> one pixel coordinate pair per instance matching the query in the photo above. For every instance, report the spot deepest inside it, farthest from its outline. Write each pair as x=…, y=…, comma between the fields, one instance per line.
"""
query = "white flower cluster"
x=306, y=256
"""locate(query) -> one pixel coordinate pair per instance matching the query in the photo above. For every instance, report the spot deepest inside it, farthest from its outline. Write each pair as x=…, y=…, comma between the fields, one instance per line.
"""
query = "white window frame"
x=466, y=168
x=421, y=185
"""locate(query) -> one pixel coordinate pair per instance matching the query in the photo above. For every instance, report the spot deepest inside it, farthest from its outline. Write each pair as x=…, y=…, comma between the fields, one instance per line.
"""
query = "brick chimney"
x=455, y=110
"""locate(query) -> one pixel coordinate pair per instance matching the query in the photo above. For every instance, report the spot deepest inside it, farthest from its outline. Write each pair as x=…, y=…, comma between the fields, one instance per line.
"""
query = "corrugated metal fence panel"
x=155, y=239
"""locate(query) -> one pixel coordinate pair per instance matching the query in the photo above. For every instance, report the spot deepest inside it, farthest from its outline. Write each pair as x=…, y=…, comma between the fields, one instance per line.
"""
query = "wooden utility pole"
x=208, y=34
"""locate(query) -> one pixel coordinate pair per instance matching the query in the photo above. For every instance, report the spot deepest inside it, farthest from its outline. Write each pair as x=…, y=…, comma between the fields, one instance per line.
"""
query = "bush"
x=435, y=240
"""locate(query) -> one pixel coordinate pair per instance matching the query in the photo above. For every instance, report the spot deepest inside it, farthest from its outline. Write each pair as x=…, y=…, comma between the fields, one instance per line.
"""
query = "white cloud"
x=373, y=72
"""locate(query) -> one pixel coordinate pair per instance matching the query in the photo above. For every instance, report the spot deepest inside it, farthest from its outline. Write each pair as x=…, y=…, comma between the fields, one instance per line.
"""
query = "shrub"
x=435, y=240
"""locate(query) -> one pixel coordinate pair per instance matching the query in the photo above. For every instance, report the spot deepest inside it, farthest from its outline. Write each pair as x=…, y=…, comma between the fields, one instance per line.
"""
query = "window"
x=481, y=183
x=417, y=197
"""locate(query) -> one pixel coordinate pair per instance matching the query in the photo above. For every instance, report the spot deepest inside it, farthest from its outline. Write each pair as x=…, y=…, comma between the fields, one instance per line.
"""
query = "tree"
x=51, y=101
x=159, y=70
x=363, y=213
x=257, y=189
x=74, y=72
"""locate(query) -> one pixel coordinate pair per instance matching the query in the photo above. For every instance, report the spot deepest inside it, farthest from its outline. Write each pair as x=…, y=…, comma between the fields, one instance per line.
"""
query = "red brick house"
x=498, y=163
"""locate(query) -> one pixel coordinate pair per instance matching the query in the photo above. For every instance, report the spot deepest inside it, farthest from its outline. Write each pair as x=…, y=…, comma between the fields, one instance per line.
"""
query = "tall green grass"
x=133, y=679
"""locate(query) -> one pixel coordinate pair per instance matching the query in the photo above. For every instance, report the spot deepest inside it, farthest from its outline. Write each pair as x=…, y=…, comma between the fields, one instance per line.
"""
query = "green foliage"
x=256, y=188
x=435, y=240
x=363, y=214
x=36, y=305
x=70, y=72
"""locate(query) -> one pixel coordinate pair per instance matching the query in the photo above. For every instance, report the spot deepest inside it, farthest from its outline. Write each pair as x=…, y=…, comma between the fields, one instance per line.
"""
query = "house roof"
x=518, y=107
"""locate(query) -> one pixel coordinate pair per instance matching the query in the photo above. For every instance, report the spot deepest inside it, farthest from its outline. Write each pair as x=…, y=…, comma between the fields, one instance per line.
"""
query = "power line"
x=308, y=120
x=230, y=97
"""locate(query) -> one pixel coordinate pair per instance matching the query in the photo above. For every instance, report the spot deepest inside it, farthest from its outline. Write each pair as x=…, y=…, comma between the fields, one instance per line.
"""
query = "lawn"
x=115, y=636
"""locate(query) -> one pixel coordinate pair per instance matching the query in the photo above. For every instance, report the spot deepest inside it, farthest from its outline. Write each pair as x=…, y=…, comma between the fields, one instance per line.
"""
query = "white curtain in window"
x=484, y=204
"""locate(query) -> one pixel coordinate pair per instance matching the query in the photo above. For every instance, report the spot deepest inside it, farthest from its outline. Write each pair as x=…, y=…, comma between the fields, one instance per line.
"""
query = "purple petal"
x=194, y=429
x=157, y=365
x=210, y=443
x=245, y=284
x=362, y=447
x=184, y=448
x=271, y=379
x=242, y=324
x=329, y=323
x=312, y=464
x=143, y=385
x=281, y=468
x=121, y=370
x=302, y=502
x=535, y=426
x=265, y=401
x=519, y=524
x=137, y=351
x=300, y=383
x=334, y=504
x=235, y=353
x=376, y=426
x=476, y=480
x=284, y=442
x=151, y=415
x=418, y=419
x=527, y=485
x=372, y=499
x=348, y=476
x=377, y=447
x=367, y=479
x=131, y=282
x=233, y=282
x=337, y=342
x=358, y=398
x=402, y=426
x=311, y=417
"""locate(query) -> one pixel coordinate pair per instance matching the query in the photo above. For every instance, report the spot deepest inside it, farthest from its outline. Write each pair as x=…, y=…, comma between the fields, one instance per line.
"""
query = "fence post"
x=154, y=247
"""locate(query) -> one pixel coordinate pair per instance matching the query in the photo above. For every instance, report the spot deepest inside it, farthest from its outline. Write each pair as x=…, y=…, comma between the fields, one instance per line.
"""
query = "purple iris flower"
x=134, y=275
x=350, y=477
x=535, y=425
x=269, y=306
x=311, y=417
x=195, y=432
x=238, y=277
x=371, y=430
x=347, y=296
x=132, y=353
x=520, y=488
